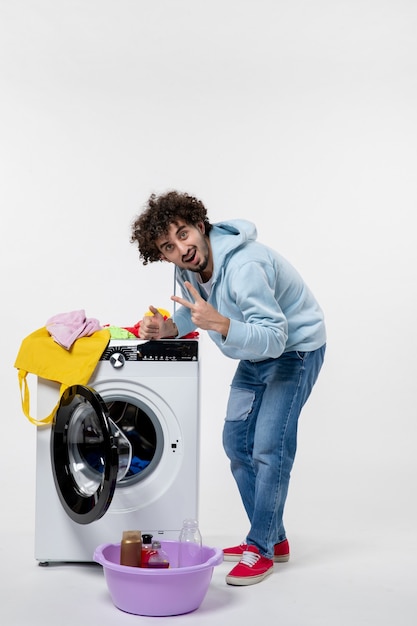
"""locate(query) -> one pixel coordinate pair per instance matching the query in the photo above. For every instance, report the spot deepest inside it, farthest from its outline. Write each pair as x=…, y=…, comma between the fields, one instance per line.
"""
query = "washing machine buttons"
x=117, y=359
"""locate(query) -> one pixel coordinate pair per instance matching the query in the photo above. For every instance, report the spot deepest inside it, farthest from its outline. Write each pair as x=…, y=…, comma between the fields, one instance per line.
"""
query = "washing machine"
x=122, y=452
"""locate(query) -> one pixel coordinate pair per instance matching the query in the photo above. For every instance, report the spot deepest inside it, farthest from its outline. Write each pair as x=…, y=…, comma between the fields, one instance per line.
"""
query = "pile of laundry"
x=66, y=328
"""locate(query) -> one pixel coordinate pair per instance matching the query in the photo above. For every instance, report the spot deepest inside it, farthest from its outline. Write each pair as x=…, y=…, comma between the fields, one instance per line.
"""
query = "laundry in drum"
x=138, y=429
x=136, y=466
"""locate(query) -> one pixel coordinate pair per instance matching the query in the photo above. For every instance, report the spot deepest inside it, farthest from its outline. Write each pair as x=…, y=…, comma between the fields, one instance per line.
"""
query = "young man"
x=258, y=310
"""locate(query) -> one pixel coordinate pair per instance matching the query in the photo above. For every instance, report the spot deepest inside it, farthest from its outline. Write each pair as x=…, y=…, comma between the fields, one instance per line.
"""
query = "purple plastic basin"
x=158, y=592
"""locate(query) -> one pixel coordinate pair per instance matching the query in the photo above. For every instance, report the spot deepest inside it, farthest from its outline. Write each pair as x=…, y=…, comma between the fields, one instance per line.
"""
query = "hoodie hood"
x=238, y=232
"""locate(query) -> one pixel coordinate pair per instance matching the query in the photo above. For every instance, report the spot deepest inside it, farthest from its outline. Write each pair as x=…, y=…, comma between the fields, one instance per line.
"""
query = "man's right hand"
x=155, y=326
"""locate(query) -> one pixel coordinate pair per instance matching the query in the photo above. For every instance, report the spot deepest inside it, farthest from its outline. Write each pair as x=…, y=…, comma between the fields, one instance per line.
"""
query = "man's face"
x=187, y=247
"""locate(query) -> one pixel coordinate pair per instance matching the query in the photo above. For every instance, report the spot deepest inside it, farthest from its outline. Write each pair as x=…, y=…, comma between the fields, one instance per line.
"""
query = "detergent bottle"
x=158, y=558
x=131, y=548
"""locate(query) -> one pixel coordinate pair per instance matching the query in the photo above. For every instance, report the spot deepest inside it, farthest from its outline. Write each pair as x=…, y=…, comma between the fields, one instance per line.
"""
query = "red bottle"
x=146, y=549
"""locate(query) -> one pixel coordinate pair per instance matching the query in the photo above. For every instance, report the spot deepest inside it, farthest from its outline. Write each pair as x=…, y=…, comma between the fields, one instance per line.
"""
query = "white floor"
x=329, y=581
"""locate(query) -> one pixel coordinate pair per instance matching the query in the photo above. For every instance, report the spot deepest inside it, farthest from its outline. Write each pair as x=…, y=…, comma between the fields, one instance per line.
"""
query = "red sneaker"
x=235, y=553
x=251, y=569
x=281, y=552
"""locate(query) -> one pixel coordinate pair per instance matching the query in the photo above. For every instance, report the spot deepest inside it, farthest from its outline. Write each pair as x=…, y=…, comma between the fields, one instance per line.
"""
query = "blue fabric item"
x=95, y=460
x=136, y=466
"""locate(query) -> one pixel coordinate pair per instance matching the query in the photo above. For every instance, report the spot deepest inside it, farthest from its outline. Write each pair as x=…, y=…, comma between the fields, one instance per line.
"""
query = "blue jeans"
x=260, y=436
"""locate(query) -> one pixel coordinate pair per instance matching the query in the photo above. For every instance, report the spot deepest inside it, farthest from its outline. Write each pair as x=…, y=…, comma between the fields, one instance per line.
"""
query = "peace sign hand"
x=203, y=314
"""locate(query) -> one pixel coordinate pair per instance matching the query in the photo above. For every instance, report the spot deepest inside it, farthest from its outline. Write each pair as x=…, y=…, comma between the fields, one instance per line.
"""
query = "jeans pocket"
x=240, y=404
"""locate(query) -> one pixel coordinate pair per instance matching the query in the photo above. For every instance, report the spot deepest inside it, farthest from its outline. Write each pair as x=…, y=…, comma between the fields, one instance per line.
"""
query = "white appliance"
x=122, y=453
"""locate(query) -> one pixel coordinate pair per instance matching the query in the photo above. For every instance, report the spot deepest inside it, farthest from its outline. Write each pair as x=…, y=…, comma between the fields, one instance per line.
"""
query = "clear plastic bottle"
x=190, y=542
x=158, y=558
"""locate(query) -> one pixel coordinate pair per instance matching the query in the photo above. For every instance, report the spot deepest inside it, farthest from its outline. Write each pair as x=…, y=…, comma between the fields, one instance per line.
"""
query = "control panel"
x=156, y=350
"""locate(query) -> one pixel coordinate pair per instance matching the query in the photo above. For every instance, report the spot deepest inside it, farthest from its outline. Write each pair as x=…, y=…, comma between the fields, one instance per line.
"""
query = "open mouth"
x=190, y=257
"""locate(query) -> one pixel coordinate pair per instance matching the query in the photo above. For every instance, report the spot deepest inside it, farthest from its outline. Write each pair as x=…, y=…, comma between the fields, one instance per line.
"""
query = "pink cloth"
x=65, y=328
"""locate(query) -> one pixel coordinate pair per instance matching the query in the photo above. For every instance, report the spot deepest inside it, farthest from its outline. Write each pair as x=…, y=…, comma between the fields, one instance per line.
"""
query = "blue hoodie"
x=271, y=309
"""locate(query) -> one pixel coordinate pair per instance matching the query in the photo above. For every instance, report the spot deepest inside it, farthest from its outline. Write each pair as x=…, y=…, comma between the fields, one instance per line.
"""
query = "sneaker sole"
x=243, y=581
x=232, y=557
x=284, y=558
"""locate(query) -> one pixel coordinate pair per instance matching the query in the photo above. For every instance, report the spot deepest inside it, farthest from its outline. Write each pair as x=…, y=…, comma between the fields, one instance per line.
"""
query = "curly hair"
x=159, y=213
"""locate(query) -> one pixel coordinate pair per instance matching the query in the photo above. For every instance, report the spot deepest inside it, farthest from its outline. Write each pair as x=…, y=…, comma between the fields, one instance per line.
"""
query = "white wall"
x=300, y=115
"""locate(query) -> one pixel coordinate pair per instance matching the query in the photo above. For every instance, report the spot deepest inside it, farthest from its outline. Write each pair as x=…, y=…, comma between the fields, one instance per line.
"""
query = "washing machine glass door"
x=89, y=454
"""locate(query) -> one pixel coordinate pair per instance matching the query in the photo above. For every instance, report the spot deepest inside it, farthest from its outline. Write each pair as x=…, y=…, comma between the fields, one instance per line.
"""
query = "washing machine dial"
x=117, y=359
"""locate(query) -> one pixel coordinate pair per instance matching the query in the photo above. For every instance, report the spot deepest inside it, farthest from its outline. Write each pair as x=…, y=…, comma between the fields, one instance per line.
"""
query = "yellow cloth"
x=39, y=354
x=163, y=312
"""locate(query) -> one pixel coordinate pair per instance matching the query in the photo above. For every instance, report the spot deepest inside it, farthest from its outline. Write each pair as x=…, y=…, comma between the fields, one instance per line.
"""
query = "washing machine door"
x=89, y=454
